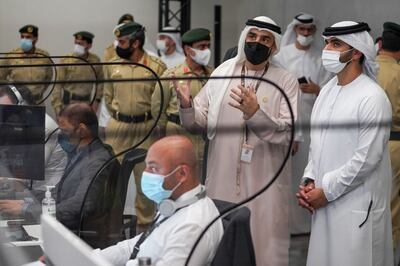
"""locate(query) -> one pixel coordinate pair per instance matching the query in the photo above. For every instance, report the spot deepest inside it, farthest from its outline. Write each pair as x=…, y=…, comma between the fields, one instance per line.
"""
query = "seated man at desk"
x=170, y=180
x=86, y=155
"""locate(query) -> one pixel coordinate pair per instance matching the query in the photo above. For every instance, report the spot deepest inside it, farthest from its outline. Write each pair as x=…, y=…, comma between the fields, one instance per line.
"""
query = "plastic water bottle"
x=48, y=203
x=144, y=261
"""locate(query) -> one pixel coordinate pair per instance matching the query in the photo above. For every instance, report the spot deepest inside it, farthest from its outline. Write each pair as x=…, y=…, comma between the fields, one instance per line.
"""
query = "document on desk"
x=34, y=230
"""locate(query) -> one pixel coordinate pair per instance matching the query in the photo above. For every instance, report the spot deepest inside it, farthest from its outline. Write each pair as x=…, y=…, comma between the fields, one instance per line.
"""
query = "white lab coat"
x=352, y=166
x=302, y=63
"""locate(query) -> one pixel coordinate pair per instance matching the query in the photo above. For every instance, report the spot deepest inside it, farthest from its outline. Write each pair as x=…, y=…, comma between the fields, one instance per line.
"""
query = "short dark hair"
x=77, y=113
x=24, y=91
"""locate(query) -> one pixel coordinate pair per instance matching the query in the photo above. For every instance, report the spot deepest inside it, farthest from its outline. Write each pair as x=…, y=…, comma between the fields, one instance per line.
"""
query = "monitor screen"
x=22, y=137
x=64, y=248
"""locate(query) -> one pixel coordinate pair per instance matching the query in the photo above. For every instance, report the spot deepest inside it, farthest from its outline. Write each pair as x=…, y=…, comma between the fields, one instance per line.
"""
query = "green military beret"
x=32, y=29
x=391, y=26
x=391, y=36
x=127, y=29
x=196, y=35
x=126, y=18
x=84, y=35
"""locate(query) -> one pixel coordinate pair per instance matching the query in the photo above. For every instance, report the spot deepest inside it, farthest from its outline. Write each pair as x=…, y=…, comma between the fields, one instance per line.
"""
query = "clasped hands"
x=245, y=100
x=310, y=197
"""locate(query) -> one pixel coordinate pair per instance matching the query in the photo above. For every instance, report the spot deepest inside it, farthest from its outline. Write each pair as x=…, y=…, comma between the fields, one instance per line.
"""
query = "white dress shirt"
x=171, y=242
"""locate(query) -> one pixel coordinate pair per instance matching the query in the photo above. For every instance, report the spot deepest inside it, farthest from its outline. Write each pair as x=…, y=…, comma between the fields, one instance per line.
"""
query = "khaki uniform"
x=26, y=74
x=170, y=110
x=77, y=92
x=109, y=53
x=131, y=99
x=389, y=79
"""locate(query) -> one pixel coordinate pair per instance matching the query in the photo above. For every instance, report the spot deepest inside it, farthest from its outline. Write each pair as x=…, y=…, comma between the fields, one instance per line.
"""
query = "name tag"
x=247, y=153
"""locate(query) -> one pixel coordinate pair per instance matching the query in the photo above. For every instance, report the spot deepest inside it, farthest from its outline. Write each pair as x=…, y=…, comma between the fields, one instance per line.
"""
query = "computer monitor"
x=22, y=139
x=64, y=248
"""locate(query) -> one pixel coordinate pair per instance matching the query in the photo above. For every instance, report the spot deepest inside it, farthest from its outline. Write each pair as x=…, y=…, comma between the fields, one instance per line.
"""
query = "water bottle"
x=48, y=203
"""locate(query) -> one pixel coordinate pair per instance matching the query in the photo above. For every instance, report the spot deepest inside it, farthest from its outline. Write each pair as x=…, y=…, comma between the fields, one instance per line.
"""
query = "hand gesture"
x=182, y=88
x=245, y=100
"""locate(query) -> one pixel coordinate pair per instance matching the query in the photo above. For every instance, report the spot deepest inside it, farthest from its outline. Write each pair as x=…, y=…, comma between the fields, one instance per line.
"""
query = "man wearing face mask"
x=109, y=52
x=169, y=47
x=65, y=94
x=129, y=103
x=300, y=56
x=86, y=154
x=170, y=180
x=347, y=182
x=196, y=44
x=32, y=56
x=248, y=125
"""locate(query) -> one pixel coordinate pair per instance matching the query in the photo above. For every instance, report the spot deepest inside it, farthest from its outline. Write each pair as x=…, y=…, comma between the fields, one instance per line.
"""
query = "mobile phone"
x=302, y=80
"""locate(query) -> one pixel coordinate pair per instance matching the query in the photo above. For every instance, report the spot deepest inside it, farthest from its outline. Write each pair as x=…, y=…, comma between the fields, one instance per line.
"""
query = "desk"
x=21, y=252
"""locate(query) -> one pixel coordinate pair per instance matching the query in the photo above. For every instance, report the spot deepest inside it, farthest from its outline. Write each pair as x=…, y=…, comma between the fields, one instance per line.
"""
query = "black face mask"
x=124, y=53
x=256, y=53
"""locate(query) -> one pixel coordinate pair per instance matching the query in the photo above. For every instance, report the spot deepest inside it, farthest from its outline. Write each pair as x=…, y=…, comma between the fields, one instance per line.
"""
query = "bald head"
x=175, y=158
x=176, y=150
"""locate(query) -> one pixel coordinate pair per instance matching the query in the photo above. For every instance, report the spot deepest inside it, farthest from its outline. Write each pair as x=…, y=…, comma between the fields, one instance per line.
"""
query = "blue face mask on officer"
x=26, y=44
x=152, y=186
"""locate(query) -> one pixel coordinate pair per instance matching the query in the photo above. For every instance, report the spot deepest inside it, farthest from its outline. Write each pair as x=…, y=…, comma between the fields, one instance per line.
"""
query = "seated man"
x=86, y=155
x=170, y=179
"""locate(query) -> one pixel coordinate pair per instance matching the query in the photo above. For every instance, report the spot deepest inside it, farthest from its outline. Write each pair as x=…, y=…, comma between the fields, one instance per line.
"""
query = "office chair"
x=236, y=246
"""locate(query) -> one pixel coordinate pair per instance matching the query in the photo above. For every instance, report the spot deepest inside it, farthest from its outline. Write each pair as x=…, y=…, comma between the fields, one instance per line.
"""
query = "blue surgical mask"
x=152, y=186
x=64, y=141
x=26, y=44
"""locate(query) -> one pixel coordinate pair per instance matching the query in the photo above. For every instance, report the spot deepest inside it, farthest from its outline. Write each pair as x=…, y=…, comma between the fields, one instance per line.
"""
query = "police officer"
x=196, y=45
x=29, y=54
x=129, y=103
x=65, y=94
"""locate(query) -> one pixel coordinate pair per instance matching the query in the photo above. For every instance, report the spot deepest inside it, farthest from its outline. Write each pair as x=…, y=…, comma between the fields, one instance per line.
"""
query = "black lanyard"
x=143, y=237
x=242, y=82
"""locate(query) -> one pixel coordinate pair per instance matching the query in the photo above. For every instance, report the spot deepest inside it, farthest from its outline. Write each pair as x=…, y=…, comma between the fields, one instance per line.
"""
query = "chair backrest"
x=102, y=222
x=236, y=246
x=129, y=161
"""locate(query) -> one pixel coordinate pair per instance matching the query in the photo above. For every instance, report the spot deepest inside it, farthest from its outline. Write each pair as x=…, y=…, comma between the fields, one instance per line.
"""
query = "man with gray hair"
x=347, y=182
x=248, y=125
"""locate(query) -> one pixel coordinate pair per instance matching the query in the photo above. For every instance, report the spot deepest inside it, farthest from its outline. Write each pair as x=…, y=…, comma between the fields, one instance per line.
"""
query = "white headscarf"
x=218, y=87
x=363, y=42
x=290, y=35
x=175, y=36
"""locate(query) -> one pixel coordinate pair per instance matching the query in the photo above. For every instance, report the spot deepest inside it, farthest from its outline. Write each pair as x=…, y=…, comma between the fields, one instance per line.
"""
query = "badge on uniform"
x=247, y=153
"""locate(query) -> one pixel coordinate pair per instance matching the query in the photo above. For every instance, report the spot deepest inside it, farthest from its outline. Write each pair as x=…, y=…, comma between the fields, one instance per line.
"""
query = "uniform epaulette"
x=158, y=61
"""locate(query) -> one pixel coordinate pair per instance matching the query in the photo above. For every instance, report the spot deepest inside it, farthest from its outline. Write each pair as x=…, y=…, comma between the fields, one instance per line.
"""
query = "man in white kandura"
x=169, y=45
x=248, y=124
x=347, y=182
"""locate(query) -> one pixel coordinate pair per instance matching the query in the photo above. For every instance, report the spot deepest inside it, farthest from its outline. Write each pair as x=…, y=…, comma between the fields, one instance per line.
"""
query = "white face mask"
x=331, y=62
x=79, y=49
x=161, y=45
x=305, y=40
x=201, y=57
